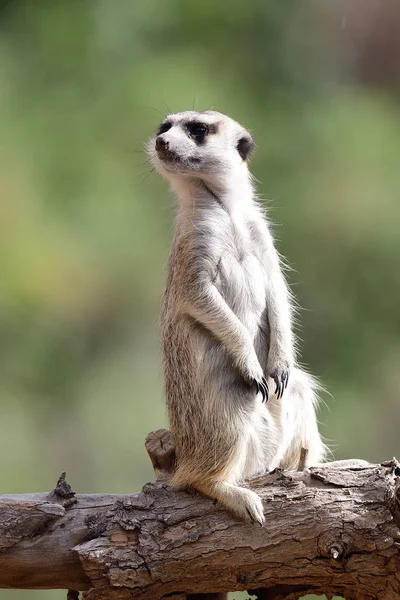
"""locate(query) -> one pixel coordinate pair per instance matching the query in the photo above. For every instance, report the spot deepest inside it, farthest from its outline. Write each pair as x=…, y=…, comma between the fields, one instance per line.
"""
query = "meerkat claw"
x=281, y=382
x=262, y=386
x=286, y=376
x=250, y=515
x=265, y=389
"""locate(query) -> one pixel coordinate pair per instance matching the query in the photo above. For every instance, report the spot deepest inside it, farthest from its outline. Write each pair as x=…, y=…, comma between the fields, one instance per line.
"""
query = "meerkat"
x=238, y=404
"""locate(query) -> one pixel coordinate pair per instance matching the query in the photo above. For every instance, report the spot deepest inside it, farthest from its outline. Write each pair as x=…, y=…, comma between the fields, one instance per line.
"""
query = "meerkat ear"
x=245, y=146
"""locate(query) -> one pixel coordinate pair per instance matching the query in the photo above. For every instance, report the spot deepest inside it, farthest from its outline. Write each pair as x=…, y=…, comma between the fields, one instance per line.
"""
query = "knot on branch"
x=64, y=490
x=332, y=544
x=161, y=450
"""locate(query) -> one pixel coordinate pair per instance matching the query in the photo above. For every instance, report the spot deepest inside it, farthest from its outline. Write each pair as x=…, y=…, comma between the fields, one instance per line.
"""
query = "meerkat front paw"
x=262, y=386
x=279, y=371
x=281, y=379
x=253, y=374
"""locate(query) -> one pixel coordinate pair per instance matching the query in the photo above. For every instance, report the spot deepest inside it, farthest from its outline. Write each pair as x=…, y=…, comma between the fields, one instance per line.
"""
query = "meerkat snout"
x=161, y=144
x=163, y=151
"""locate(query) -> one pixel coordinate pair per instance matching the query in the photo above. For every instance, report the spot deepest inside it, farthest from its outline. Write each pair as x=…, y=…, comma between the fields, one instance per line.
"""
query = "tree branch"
x=328, y=530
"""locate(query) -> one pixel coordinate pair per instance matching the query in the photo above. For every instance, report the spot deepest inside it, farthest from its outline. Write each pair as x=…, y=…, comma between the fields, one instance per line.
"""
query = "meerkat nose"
x=161, y=144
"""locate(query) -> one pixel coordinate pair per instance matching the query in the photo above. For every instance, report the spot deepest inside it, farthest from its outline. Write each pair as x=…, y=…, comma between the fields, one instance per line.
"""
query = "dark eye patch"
x=197, y=131
x=164, y=127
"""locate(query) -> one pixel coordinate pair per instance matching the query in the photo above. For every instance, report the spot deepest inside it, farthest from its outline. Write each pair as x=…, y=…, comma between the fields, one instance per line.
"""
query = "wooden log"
x=328, y=530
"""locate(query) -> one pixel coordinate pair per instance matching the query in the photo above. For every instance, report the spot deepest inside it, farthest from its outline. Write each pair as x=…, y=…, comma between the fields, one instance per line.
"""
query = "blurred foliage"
x=85, y=226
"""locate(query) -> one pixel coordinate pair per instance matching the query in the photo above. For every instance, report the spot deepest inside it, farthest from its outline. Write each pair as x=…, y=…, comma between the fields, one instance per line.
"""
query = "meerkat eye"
x=197, y=130
x=164, y=127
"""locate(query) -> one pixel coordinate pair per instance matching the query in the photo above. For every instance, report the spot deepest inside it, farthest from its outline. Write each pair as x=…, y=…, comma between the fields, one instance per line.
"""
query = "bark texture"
x=328, y=530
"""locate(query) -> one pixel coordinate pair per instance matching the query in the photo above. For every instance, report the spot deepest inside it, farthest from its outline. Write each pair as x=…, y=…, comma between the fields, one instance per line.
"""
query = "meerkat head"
x=206, y=146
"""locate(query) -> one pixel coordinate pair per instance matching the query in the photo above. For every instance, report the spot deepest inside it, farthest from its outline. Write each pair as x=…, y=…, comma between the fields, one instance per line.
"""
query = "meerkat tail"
x=301, y=402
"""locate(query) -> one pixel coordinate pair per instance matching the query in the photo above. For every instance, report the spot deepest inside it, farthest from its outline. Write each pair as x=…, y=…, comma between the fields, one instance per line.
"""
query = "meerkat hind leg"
x=240, y=501
x=215, y=469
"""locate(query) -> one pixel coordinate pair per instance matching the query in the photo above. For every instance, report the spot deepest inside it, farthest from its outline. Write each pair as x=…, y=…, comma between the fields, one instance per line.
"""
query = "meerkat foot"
x=253, y=505
x=240, y=501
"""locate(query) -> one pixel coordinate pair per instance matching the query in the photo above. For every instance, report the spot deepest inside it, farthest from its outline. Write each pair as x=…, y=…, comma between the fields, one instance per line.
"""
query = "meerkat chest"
x=240, y=272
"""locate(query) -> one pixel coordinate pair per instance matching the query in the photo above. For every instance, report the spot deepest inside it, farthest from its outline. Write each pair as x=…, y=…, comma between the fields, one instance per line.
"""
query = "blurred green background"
x=85, y=226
